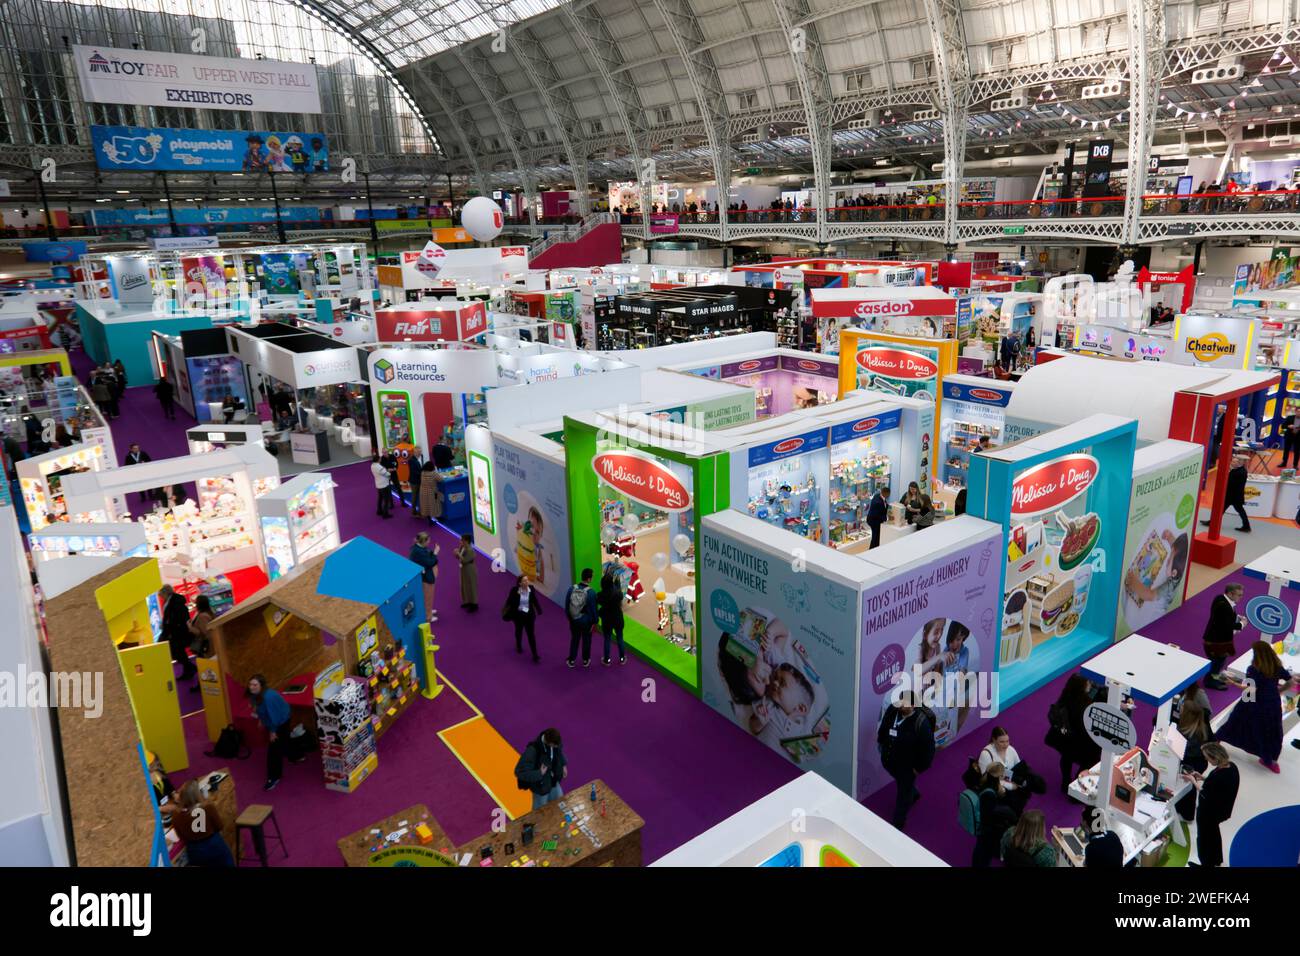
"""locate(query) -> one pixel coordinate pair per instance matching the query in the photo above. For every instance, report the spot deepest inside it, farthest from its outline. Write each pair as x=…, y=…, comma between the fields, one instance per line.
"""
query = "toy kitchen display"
x=298, y=522
x=1050, y=563
x=783, y=483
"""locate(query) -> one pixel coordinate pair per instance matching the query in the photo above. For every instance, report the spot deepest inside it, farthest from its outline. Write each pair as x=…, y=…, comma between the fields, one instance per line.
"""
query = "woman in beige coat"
x=468, y=573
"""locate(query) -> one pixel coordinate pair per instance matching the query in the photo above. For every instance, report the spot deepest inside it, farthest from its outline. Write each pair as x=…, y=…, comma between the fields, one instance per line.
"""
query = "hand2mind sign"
x=1052, y=484
x=642, y=479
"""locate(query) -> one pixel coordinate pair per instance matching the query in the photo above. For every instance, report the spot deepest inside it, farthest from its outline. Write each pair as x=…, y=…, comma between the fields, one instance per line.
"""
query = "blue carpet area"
x=1270, y=839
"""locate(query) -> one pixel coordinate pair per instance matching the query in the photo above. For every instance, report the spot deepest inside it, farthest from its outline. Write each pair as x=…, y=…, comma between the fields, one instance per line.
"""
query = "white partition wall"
x=32, y=831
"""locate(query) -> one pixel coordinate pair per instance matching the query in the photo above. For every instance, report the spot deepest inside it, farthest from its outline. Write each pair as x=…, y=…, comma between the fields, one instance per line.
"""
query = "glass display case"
x=787, y=493
x=395, y=419
x=298, y=522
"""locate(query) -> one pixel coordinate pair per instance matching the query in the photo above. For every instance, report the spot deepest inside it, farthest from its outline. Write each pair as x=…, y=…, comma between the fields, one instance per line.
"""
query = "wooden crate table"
x=618, y=833
x=358, y=848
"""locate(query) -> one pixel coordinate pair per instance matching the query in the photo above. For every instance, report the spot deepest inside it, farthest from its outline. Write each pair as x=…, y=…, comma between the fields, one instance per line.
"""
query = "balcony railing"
x=1242, y=203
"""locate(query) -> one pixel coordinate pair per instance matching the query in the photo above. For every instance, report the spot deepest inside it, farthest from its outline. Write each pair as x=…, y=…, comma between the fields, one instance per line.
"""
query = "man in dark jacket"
x=1223, y=624
x=134, y=456
x=176, y=629
x=877, y=514
x=166, y=397
x=906, y=741
x=1217, y=794
x=542, y=767
x=1235, y=497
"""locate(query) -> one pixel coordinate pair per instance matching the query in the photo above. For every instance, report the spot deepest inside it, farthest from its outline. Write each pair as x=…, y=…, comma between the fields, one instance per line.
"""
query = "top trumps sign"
x=149, y=78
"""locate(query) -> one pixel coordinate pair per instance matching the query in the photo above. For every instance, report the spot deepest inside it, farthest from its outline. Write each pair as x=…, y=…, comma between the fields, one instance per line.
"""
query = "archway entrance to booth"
x=634, y=512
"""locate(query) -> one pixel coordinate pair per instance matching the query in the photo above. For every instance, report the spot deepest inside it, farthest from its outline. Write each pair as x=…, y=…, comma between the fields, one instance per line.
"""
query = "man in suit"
x=176, y=629
x=1216, y=795
x=134, y=456
x=1235, y=495
x=1224, y=622
x=877, y=513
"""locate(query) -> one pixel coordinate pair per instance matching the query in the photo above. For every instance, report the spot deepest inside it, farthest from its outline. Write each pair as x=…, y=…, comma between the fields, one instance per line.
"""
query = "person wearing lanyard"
x=522, y=607
x=906, y=742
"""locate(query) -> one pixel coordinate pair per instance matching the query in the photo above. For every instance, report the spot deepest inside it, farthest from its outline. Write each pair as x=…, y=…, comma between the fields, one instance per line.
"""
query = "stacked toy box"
x=347, y=739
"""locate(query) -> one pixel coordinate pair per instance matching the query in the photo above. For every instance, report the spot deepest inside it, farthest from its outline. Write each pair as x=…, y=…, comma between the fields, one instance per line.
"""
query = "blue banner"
x=209, y=151
x=989, y=394
x=206, y=216
x=787, y=447
x=55, y=251
x=867, y=425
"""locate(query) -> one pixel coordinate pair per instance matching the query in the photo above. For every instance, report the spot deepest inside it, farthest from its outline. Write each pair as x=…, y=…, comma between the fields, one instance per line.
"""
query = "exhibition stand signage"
x=1062, y=499
x=139, y=148
x=898, y=365
x=153, y=78
x=778, y=641
x=1217, y=341
x=1161, y=524
x=973, y=409
x=929, y=625
x=448, y=321
x=638, y=488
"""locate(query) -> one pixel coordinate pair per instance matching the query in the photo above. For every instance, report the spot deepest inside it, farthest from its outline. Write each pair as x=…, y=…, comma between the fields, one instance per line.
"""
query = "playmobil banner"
x=164, y=149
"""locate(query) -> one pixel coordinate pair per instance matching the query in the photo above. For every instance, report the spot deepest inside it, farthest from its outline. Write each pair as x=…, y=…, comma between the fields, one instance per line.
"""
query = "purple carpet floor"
x=681, y=766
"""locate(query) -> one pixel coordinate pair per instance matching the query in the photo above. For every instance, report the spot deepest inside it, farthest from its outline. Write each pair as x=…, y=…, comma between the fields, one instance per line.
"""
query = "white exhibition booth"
x=462, y=269
x=806, y=823
x=422, y=396
x=216, y=533
x=33, y=829
x=65, y=554
x=320, y=372
x=42, y=478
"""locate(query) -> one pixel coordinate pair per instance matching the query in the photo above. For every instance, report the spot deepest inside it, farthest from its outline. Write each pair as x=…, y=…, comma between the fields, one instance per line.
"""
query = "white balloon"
x=681, y=542
x=660, y=561
x=608, y=535
x=630, y=522
x=482, y=219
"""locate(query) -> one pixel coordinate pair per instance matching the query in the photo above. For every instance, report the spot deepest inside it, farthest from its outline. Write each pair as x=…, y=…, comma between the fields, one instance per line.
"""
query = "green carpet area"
x=668, y=657
x=1176, y=855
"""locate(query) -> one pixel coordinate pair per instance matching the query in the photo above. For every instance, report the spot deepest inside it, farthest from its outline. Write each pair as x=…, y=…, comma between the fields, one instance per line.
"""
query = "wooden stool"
x=253, y=818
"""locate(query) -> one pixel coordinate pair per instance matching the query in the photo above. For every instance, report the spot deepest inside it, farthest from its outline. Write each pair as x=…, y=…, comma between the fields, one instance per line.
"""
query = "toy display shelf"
x=795, y=510
x=853, y=483
x=393, y=687
x=961, y=440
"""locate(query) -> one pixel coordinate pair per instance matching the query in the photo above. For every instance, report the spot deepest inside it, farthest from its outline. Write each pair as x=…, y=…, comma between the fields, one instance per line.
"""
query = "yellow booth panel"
x=151, y=683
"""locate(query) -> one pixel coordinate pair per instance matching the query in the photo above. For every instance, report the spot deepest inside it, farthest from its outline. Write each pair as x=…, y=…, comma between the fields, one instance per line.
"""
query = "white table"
x=1279, y=567
x=1153, y=672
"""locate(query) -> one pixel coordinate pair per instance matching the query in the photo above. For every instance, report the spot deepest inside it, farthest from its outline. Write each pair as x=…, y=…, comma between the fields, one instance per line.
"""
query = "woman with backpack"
x=1066, y=734
x=1025, y=845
